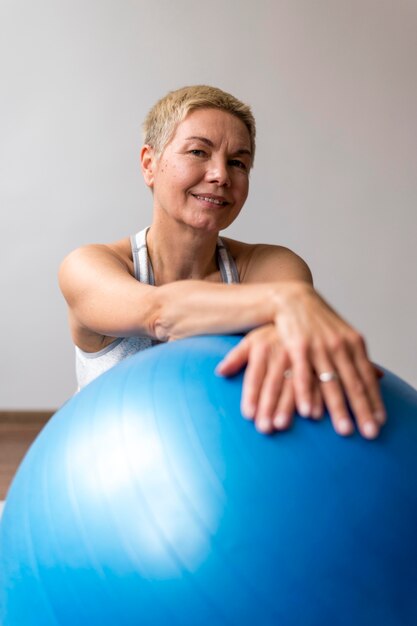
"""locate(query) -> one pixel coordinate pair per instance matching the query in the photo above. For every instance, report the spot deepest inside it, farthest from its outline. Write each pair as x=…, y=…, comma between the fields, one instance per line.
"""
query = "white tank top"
x=89, y=365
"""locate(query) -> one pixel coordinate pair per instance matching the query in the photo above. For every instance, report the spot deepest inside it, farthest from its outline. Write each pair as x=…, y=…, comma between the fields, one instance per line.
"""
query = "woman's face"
x=202, y=177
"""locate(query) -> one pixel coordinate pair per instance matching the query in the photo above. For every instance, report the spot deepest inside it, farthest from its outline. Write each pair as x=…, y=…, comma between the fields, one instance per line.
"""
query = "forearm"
x=104, y=298
x=194, y=307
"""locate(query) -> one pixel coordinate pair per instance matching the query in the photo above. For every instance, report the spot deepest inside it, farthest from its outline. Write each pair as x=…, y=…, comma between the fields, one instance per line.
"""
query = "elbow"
x=159, y=326
x=168, y=316
x=159, y=329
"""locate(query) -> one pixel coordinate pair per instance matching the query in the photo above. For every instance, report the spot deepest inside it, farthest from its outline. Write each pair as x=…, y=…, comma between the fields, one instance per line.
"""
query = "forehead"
x=215, y=124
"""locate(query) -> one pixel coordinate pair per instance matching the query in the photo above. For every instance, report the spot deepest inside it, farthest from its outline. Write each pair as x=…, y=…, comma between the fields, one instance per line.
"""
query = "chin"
x=210, y=227
x=209, y=224
x=204, y=223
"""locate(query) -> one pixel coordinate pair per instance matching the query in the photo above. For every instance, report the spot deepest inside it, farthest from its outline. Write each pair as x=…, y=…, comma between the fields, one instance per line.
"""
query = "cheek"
x=186, y=177
x=243, y=188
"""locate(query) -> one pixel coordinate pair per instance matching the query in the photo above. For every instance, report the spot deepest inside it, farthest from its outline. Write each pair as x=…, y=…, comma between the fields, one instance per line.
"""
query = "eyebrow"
x=208, y=142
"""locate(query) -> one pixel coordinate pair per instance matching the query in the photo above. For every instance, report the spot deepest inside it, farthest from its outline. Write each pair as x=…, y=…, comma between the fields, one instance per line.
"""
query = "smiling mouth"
x=210, y=199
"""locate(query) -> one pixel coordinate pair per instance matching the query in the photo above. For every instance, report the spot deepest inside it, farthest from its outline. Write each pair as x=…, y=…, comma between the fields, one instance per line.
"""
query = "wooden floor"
x=17, y=431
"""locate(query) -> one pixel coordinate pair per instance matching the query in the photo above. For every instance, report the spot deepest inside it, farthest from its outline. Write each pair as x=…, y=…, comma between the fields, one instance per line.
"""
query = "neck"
x=181, y=253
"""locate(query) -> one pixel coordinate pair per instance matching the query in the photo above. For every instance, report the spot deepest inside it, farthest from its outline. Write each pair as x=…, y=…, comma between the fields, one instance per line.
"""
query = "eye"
x=236, y=163
x=198, y=153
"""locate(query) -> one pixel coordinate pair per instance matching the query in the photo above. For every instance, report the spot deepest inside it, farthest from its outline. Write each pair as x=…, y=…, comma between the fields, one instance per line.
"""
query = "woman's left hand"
x=268, y=393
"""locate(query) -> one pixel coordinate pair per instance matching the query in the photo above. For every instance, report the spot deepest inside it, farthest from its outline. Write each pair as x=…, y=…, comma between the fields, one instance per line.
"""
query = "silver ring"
x=327, y=377
x=288, y=374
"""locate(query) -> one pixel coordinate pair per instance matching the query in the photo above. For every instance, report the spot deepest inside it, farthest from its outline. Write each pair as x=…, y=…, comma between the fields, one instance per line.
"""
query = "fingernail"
x=248, y=411
x=304, y=409
x=380, y=416
x=280, y=421
x=263, y=424
x=344, y=427
x=370, y=430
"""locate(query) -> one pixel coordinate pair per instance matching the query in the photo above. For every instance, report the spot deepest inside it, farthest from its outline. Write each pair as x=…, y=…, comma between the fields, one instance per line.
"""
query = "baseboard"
x=18, y=429
x=26, y=417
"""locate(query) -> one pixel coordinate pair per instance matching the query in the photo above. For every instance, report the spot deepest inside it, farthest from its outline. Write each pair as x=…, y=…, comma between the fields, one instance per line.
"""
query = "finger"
x=252, y=380
x=333, y=397
x=357, y=395
x=370, y=374
x=317, y=408
x=234, y=360
x=269, y=393
x=336, y=405
x=303, y=379
x=285, y=409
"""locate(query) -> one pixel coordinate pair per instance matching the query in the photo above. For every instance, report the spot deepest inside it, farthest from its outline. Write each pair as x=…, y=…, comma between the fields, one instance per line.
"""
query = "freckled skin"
x=191, y=167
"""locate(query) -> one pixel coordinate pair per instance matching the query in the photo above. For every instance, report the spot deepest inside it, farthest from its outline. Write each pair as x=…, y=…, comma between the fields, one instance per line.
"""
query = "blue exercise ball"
x=148, y=500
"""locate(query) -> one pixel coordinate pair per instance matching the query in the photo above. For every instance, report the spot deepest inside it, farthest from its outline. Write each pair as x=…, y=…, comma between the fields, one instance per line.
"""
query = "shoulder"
x=82, y=272
x=96, y=254
x=262, y=262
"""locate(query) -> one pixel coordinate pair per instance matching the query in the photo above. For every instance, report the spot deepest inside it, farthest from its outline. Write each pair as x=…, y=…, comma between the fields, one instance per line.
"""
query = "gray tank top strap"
x=227, y=265
x=143, y=267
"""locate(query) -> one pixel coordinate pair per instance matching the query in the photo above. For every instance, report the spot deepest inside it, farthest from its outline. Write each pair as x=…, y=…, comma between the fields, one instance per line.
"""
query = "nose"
x=218, y=172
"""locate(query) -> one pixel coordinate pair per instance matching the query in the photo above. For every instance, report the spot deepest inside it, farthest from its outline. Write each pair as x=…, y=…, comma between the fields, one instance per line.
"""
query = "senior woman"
x=179, y=278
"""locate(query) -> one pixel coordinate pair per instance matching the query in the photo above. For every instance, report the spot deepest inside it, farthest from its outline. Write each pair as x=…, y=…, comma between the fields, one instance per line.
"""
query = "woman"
x=167, y=281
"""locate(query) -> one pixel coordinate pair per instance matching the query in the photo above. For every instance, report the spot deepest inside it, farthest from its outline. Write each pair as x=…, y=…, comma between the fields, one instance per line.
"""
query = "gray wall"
x=333, y=87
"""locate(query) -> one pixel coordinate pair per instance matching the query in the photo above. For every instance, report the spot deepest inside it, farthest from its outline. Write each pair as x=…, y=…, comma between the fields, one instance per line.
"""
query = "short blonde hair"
x=164, y=117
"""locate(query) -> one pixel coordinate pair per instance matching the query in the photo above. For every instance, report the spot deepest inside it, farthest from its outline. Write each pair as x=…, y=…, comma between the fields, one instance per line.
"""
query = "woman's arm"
x=307, y=338
x=105, y=300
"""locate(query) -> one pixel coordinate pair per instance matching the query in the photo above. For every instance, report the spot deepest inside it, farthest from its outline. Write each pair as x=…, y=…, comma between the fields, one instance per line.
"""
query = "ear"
x=148, y=164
